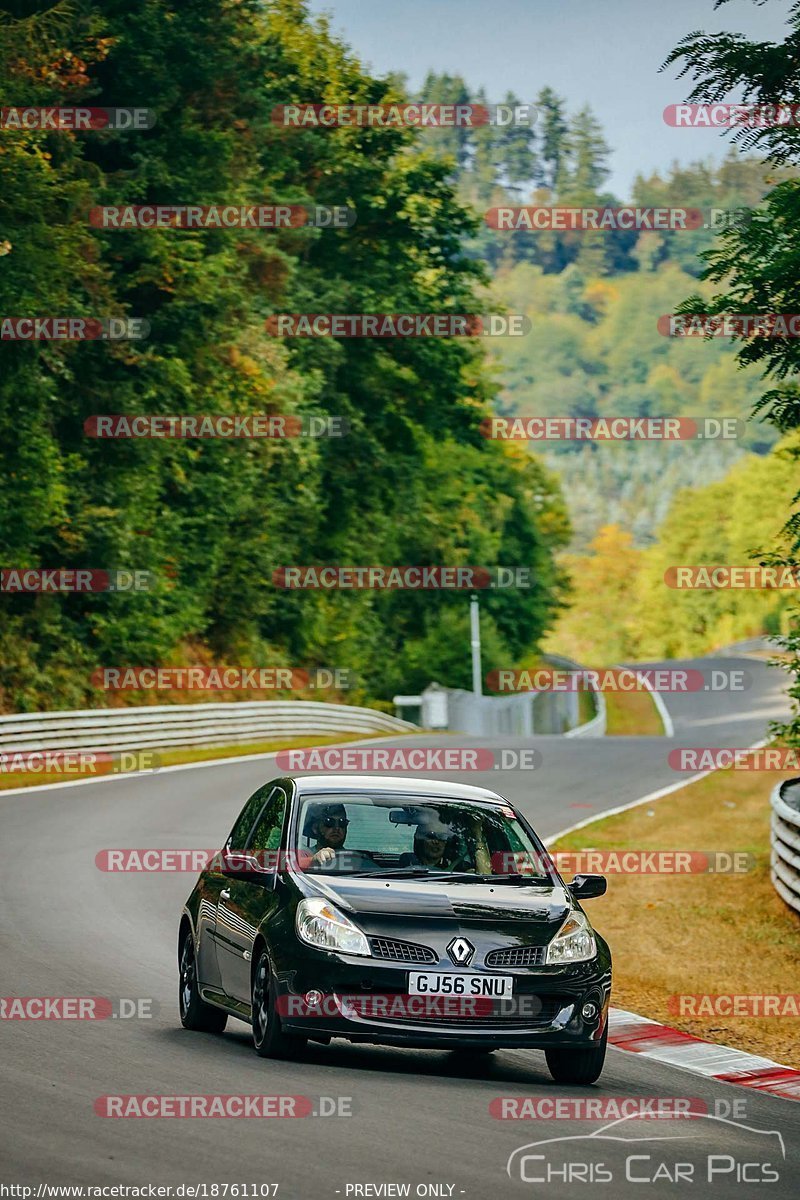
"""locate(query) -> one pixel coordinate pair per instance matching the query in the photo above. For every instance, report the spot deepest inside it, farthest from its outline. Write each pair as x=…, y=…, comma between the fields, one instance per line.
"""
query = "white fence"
x=522, y=715
x=189, y=725
x=785, y=842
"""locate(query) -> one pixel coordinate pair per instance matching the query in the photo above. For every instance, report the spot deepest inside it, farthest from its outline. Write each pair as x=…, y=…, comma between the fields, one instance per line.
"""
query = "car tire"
x=195, y=1013
x=577, y=1066
x=269, y=1038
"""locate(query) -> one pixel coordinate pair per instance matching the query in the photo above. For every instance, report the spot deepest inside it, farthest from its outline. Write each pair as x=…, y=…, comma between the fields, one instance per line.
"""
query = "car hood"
x=463, y=902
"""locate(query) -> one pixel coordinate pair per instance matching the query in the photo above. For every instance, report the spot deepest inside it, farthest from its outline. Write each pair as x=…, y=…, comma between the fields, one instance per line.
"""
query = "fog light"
x=313, y=999
x=589, y=1011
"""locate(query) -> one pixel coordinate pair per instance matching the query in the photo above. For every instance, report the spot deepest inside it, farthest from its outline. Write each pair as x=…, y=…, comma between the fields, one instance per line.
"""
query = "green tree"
x=212, y=519
x=552, y=132
x=518, y=154
x=757, y=263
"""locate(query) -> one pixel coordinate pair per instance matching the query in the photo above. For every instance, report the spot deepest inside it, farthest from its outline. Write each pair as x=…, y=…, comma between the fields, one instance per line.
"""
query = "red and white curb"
x=627, y=1031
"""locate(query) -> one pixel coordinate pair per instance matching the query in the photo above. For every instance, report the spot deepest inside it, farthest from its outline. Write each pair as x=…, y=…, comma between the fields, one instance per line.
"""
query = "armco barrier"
x=785, y=842
x=597, y=726
x=189, y=725
x=522, y=714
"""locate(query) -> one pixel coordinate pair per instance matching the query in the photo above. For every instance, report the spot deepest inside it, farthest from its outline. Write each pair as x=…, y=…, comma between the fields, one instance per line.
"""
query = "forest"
x=409, y=478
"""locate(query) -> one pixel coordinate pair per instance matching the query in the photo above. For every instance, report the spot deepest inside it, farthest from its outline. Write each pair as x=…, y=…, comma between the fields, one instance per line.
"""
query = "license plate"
x=431, y=983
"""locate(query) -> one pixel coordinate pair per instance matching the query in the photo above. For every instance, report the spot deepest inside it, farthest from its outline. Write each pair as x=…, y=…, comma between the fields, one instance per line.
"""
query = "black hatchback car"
x=395, y=911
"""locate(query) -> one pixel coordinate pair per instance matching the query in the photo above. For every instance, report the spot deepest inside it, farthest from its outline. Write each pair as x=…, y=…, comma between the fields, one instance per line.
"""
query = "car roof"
x=407, y=785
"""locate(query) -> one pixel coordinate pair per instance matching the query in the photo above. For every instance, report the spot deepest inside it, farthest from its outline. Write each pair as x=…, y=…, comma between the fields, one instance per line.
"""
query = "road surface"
x=419, y=1118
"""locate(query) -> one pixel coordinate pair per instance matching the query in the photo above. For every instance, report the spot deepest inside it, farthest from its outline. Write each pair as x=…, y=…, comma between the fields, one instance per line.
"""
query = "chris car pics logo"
x=641, y=1150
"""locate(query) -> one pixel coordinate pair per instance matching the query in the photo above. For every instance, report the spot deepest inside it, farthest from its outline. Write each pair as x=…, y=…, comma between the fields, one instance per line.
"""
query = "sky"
x=605, y=53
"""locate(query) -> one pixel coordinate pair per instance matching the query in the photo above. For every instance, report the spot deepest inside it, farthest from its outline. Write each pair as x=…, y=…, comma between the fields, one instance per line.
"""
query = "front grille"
x=531, y=1012
x=516, y=956
x=399, y=951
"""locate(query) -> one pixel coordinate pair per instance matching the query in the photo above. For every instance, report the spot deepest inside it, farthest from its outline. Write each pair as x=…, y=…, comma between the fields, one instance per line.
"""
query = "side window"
x=267, y=833
x=247, y=817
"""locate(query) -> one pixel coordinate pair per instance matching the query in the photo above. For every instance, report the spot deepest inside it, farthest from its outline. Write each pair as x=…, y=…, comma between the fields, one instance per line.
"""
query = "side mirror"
x=236, y=864
x=586, y=887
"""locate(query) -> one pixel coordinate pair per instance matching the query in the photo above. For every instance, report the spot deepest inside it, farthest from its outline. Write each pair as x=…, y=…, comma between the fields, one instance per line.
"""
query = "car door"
x=211, y=883
x=245, y=901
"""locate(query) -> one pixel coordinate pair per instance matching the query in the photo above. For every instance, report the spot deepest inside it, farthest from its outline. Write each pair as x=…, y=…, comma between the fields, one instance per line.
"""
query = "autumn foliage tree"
x=413, y=482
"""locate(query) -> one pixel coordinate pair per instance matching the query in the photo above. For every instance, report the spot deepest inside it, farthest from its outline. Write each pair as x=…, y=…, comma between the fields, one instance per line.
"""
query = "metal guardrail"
x=785, y=842
x=523, y=714
x=189, y=725
x=597, y=726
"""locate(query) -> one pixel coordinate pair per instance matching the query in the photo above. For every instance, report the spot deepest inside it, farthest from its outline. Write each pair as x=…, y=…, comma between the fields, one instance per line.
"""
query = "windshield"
x=417, y=837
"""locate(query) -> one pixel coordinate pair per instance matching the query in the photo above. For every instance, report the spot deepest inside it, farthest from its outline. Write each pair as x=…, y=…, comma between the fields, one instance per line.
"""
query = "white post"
x=475, y=643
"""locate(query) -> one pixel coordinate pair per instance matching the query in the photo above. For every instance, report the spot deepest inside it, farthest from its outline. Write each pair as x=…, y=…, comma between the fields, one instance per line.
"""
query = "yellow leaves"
x=103, y=46
x=601, y=624
x=516, y=450
x=600, y=294
x=248, y=366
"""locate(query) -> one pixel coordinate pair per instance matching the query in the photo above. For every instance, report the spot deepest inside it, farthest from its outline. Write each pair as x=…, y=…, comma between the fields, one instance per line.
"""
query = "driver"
x=327, y=824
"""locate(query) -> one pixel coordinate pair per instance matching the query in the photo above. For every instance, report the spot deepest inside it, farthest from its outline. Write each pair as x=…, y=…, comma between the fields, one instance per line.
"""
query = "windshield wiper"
x=413, y=873
x=444, y=876
x=516, y=877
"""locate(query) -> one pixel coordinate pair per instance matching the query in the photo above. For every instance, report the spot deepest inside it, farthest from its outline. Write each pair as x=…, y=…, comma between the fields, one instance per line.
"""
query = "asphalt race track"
x=418, y=1117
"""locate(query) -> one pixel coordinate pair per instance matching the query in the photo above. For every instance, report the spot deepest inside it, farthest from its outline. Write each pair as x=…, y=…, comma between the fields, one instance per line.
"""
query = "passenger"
x=430, y=843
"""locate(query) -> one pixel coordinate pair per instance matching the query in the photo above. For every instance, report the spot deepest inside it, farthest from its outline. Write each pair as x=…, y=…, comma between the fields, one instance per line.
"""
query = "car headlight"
x=320, y=924
x=574, y=942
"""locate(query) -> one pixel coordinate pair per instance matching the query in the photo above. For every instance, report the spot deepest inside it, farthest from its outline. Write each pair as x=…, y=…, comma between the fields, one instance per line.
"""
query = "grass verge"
x=187, y=754
x=632, y=714
x=675, y=935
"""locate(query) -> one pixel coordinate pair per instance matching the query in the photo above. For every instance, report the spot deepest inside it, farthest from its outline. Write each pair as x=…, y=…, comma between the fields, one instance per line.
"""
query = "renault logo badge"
x=461, y=951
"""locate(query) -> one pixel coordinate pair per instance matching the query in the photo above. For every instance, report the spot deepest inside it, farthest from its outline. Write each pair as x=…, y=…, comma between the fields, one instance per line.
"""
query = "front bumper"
x=365, y=1000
